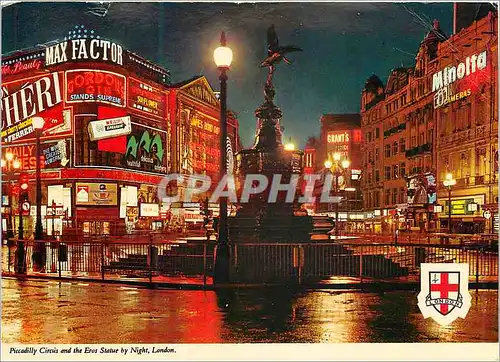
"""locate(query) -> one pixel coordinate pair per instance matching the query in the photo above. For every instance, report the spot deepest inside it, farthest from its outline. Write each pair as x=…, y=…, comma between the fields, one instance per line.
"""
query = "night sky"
x=344, y=43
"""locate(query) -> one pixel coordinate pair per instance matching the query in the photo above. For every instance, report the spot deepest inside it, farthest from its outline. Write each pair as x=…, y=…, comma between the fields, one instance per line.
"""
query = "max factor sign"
x=84, y=50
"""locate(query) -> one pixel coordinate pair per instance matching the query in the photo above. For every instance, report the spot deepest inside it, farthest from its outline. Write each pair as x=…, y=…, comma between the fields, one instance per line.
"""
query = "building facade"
x=340, y=133
x=110, y=135
x=411, y=129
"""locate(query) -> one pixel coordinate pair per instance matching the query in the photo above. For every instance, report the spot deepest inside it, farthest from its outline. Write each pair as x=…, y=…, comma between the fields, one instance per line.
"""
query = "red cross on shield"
x=444, y=292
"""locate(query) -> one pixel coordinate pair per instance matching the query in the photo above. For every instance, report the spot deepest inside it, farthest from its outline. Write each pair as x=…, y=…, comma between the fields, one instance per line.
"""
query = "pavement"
x=49, y=311
x=200, y=283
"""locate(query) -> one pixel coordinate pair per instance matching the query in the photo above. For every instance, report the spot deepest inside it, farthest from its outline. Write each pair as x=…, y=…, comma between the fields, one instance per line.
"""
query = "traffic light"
x=23, y=182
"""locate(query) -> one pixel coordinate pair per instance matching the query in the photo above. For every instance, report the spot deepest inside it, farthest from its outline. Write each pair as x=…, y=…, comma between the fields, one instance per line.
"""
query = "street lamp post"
x=223, y=57
x=38, y=123
x=448, y=183
x=339, y=169
x=11, y=165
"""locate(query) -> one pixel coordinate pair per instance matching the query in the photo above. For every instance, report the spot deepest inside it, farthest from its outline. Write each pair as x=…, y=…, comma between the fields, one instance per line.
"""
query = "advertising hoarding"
x=96, y=194
x=421, y=189
x=54, y=154
x=147, y=149
x=35, y=96
x=109, y=128
x=89, y=85
x=146, y=99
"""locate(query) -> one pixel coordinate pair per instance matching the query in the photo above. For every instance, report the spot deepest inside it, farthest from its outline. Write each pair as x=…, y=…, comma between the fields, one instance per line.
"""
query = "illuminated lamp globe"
x=449, y=176
x=9, y=156
x=16, y=164
x=346, y=163
x=289, y=147
x=4, y=163
x=328, y=164
x=38, y=122
x=24, y=186
x=336, y=156
x=223, y=56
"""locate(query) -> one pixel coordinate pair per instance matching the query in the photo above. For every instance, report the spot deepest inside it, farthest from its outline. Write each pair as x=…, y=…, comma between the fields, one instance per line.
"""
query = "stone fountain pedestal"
x=258, y=220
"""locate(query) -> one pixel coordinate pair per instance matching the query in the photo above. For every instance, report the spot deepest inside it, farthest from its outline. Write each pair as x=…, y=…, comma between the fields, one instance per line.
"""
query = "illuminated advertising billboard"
x=339, y=142
x=96, y=194
x=20, y=66
x=205, y=144
x=146, y=99
x=36, y=96
x=421, y=189
x=54, y=154
x=146, y=149
x=460, y=79
x=87, y=85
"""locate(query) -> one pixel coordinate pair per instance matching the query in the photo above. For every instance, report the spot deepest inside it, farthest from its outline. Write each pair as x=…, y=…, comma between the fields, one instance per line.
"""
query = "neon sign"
x=84, y=49
x=19, y=67
x=145, y=98
x=86, y=85
x=450, y=74
x=146, y=149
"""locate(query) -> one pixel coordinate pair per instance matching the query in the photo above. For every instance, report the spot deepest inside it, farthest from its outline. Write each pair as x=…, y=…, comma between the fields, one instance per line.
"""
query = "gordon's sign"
x=84, y=50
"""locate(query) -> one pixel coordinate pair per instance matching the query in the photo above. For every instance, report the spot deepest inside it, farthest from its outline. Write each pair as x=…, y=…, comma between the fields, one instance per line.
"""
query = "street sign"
x=487, y=214
x=26, y=207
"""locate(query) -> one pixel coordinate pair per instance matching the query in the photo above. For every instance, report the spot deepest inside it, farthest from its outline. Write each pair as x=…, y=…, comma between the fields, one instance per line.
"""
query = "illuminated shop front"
x=113, y=128
x=106, y=138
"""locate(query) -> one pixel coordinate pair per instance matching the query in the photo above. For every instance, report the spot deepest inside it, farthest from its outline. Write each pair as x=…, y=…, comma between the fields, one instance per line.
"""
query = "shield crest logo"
x=444, y=293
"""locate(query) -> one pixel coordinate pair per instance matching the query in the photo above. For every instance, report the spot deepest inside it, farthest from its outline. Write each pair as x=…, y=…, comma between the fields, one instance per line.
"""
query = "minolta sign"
x=449, y=75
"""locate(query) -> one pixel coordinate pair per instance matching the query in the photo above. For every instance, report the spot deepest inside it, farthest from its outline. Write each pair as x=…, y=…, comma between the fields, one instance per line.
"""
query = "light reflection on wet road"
x=49, y=312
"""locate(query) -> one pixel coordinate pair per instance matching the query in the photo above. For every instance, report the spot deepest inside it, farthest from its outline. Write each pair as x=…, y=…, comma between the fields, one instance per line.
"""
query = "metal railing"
x=250, y=263
x=319, y=261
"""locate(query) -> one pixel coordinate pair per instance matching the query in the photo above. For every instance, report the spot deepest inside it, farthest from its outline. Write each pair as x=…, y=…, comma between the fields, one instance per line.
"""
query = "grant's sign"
x=84, y=50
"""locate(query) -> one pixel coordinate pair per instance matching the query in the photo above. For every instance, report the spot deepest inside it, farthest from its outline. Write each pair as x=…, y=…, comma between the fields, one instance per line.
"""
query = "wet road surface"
x=53, y=312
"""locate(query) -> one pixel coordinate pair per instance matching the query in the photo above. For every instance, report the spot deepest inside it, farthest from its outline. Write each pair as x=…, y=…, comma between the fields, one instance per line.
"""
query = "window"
x=429, y=136
x=395, y=172
x=387, y=173
x=413, y=141
x=421, y=138
x=395, y=148
x=402, y=170
x=387, y=196
x=394, y=196
x=369, y=136
x=377, y=176
x=369, y=177
x=387, y=150
x=377, y=154
x=402, y=145
x=377, y=132
x=388, y=108
x=370, y=156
